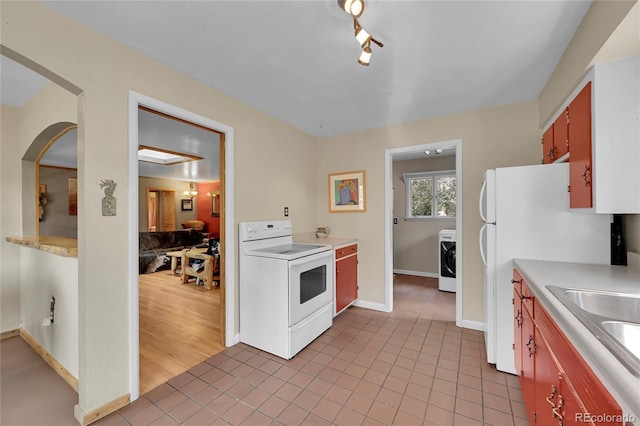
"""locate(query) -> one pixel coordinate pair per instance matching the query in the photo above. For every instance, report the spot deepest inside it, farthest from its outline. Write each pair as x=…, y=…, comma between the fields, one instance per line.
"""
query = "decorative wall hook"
x=109, y=201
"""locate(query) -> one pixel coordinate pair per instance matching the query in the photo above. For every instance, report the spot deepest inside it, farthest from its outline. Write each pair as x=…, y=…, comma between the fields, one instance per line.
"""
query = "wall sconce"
x=192, y=191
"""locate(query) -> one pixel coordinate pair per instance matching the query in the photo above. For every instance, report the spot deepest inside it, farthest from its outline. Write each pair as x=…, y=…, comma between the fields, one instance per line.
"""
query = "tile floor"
x=31, y=392
x=409, y=367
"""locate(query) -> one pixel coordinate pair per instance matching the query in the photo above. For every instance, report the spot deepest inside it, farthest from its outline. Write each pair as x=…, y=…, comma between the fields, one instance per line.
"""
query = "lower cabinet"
x=558, y=386
x=346, y=276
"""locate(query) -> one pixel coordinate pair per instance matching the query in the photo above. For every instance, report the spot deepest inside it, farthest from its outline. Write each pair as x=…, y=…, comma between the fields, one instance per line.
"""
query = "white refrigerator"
x=526, y=214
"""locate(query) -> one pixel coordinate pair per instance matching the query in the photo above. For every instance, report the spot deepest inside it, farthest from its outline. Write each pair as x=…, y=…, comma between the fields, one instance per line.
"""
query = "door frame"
x=227, y=230
x=388, y=216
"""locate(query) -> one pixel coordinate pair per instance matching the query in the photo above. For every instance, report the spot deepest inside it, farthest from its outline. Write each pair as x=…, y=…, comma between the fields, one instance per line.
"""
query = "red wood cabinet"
x=524, y=341
x=580, y=164
x=557, y=384
x=346, y=277
x=555, y=140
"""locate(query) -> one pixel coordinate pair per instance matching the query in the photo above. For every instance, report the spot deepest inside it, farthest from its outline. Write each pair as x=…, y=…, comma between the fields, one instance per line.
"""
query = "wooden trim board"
x=100, y=412
x=10, y=333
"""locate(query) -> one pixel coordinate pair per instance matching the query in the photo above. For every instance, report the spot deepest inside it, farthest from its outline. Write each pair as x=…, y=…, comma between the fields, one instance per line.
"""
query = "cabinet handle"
x=587, y=176
x=531, y=345
x=518, y=318
x=523, y=297
x=550, y=397
x=556, y=411
x=516, y=281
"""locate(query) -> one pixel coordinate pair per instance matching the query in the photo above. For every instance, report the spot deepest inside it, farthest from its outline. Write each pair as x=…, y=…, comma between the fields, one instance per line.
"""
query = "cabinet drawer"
x=346, y=251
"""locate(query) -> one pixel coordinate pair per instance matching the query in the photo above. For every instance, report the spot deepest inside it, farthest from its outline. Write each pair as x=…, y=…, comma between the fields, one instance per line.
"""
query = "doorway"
x=161, y=209
x=417, y=151
x=227, y=245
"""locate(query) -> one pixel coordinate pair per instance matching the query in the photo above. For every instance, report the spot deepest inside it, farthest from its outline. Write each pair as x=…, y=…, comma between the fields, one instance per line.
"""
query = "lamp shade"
x=354, y=8
x=365, y=56
x=362, y=36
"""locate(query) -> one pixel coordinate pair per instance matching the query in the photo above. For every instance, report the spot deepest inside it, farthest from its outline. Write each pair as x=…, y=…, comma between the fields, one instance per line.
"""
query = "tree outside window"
x=428, y=189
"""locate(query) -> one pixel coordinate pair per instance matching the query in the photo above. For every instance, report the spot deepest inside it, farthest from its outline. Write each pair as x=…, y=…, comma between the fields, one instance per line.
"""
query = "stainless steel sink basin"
x=613, y=318
x=627, y=333
x=619, y=306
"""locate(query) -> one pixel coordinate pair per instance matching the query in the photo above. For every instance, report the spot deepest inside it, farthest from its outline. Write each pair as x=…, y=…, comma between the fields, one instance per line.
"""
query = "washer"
x=447, y=264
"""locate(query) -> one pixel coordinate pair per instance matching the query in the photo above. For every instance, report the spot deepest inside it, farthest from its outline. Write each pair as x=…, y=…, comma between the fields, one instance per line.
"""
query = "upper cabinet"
x=602, y=119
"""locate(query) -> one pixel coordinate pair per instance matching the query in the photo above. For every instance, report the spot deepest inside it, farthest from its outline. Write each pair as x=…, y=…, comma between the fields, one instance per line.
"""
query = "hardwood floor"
x=179, y=327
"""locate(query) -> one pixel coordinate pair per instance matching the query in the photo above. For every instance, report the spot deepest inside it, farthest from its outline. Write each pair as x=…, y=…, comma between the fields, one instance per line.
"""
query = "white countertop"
x=335, y=242
x=621, y=383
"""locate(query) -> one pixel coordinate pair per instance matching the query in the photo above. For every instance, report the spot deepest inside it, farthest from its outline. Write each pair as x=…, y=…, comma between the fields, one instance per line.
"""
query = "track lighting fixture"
x=365, y=39
x=354, y=8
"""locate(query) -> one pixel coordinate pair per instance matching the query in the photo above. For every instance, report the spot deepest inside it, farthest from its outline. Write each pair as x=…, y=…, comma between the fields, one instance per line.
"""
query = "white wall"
x=45, y=275
x=495, y=137
x=10, y=222
x=415, y=242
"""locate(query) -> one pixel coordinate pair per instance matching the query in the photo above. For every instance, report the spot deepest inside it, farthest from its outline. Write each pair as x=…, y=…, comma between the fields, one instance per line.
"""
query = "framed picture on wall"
x=73, y=196
x=187, y=204
x=346, y=192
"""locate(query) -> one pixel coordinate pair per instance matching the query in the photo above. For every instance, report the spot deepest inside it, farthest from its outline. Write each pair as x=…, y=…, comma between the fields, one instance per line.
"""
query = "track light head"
x=354, y=8
x=365, y=56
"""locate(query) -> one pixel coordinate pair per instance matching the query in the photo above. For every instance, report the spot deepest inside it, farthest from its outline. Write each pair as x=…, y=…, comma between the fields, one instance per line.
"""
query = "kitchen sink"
x=619, y=306
x=613, y=318
x=627, y=333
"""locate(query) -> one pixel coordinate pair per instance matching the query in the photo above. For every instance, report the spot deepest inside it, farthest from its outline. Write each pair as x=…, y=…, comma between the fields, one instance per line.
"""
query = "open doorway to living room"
x=179, y=191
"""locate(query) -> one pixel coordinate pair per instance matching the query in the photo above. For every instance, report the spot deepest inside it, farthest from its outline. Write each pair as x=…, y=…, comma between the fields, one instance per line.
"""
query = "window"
x=430, y=195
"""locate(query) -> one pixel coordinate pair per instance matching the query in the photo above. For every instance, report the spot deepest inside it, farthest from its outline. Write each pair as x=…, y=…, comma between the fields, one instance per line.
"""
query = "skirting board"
x=100, y=412
x=49, y=359
x=473, y=325
x=10, y=333
x=370, y=305
x=415, y=273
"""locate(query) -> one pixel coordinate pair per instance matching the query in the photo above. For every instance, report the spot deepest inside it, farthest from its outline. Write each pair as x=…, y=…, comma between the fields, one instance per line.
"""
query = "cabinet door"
x=346, y=281
x=529, y=348
x=517, y=329
x=547, y=384
x=547, y=146
x=580, y=163
x=561, y=135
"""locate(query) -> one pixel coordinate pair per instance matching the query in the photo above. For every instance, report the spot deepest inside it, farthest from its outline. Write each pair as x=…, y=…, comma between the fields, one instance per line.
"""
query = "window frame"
x=434, y=194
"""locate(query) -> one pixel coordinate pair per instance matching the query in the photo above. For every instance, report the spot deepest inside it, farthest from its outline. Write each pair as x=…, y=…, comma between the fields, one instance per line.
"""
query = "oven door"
x=310, y=285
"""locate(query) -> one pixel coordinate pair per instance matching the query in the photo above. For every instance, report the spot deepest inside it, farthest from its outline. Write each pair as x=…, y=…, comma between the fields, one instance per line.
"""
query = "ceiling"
x=296, y=60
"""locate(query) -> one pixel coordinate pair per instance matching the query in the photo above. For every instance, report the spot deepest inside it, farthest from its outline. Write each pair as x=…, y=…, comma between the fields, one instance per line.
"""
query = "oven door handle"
x=320, y=257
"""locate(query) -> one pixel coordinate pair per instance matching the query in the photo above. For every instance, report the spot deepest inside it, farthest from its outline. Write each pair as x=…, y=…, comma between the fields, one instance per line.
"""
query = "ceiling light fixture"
x=354, y=8
x=365, y=39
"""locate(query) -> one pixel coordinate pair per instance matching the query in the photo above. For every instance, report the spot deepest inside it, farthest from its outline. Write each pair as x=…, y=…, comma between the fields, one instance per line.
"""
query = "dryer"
x=447, y=263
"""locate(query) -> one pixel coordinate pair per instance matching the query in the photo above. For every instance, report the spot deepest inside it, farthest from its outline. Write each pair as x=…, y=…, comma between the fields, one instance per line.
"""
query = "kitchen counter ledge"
x=622, y=385
x=335, y=242
x=61, y=246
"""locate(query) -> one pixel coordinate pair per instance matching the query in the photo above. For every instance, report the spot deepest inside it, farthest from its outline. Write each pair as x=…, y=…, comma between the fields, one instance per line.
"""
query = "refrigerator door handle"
x=483, y=233
x=483, y=191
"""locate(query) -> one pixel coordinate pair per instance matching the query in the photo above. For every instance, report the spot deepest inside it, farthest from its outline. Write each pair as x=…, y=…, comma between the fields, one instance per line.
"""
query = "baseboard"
x=49, y=359
x=10, y=333
x=415, y=273
x=370, y=305
x=100, y=412
x=473, y=325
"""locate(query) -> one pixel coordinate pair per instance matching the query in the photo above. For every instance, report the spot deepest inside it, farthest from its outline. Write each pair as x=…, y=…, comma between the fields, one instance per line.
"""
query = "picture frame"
x=347, y=192
x=73, y=196
x=187, y=204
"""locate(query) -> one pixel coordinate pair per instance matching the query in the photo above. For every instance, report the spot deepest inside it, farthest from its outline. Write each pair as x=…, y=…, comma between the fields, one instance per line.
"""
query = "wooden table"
x=177, y=255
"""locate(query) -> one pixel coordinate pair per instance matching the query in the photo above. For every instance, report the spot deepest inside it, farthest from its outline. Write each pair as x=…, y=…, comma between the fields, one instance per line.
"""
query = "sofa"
x=153, y=247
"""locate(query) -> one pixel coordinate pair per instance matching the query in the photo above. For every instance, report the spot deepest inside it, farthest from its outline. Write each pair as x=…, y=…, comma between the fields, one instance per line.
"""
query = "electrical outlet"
x=286, y=212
